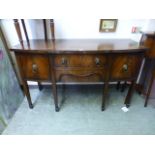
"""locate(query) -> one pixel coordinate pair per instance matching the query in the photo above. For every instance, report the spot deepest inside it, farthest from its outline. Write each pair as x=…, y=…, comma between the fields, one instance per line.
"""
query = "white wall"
x=151, y=25
x=77, y=28
x=89, y=28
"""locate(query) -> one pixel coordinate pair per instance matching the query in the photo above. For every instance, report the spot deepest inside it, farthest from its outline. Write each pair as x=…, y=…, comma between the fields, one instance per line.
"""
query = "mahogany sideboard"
x=79, y=60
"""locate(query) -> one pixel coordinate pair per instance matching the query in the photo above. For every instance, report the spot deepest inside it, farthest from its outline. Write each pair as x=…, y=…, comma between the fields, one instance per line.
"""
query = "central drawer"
x=68, y=60
x=80, y=68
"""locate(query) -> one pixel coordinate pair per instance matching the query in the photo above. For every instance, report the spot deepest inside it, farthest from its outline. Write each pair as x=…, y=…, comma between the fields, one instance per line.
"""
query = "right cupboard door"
x=125, y=67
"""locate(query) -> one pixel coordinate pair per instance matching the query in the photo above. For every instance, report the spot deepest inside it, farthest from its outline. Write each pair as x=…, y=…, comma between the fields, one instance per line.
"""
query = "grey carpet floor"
x=80, y=114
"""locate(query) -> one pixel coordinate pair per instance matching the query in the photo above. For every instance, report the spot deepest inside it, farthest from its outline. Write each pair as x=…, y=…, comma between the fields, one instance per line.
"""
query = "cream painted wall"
x=76, y=28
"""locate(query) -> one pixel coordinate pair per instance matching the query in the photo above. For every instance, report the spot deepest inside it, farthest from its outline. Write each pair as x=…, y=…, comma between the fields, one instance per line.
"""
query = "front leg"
x=54, y=88
x=129, y=95
x=27, y=93
x=105, y=92
x=40, y=86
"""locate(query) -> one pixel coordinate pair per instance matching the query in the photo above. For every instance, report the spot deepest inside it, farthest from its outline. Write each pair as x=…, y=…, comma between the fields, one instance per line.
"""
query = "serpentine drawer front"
x=79, y=60
x=80, y=75
x=34, y=66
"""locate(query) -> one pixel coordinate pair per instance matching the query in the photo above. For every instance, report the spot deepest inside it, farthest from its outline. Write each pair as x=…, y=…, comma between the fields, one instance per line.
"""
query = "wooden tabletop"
x=80, y=45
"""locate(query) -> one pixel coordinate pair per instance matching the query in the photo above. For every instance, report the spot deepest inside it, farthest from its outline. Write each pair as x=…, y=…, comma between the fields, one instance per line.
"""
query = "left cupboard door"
x=34, y=66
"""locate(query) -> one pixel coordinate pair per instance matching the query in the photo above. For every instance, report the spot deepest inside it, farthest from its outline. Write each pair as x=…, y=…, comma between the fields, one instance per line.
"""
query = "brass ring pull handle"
x=125, y=68
x=64, y=61
x=34, y=68
x=97, y=61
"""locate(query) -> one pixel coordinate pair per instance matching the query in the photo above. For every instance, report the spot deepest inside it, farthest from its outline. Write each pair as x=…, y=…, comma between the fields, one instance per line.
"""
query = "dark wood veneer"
x=34, y=66
x=80, y=60
x=80, y=46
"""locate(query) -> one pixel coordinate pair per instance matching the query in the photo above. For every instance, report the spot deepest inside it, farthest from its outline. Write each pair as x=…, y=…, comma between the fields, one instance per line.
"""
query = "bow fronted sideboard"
x=79, y=60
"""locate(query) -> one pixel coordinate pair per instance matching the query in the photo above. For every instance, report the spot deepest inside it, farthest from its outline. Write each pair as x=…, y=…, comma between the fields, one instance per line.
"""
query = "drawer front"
x=80, y=75
x=35, y=67
x=125, y=67
x=79, y=60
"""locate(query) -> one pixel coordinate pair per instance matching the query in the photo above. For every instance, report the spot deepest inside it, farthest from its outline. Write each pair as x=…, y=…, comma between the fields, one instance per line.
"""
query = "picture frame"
x=108, y=25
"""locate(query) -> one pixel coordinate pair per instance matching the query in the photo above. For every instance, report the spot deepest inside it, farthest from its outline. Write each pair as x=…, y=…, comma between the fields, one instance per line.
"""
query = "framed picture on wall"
x=108, y=25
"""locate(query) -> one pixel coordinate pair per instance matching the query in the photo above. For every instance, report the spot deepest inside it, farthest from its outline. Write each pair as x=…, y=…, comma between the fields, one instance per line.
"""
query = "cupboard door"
x=125, y=67
x=34, y=66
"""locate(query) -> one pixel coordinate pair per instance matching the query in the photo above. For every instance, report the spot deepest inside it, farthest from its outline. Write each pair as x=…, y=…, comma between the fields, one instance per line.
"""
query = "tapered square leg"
x=149, y=90
x=54, y=86
x=57, y=109
x=40, y=86
x=129, y=94
x=54, y=89
x=27, y=93
x=105, y=92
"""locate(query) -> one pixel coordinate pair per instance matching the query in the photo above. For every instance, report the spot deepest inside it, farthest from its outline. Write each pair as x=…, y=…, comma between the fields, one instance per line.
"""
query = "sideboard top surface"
x=80, y=45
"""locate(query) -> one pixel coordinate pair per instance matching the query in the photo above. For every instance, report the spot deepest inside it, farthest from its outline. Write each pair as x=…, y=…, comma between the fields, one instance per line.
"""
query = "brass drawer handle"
x=125, y=68
x=97, y=61
x=34, y=68
x=64, y=61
